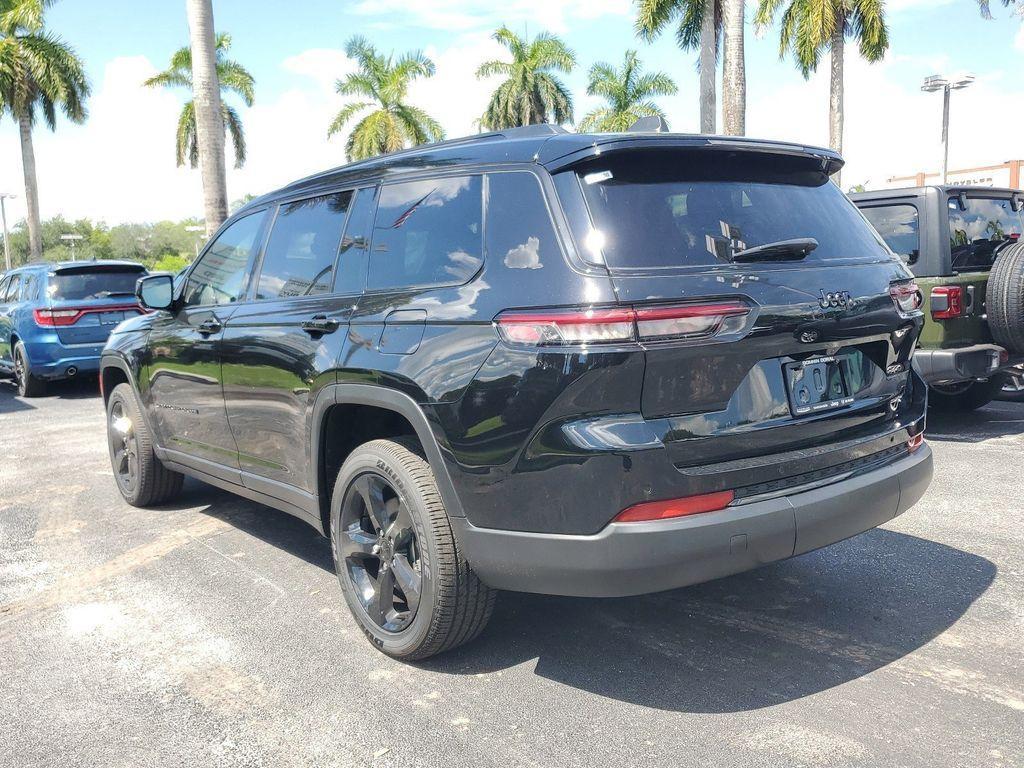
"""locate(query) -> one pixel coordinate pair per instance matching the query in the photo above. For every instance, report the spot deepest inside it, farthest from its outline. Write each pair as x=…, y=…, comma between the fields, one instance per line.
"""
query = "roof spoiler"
x=650, y=124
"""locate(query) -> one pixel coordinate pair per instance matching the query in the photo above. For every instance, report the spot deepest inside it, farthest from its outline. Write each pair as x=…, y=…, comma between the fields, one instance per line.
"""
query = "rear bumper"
x=636, y=558
x=959, y=364
x=54, y=360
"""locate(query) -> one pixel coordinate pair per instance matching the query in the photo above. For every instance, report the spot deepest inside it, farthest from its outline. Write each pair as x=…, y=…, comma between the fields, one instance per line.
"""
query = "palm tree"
x=232, y=76
x=531, y=94
x=986, y=11
x=628, y=92
x=734, y=70
x=699, y=26
x=39, y=75
x=208, y=114
x=810, y=27
x=383, y=83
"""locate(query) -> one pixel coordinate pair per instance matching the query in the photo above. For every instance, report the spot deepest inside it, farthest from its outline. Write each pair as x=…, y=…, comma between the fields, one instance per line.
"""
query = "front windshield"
x=680, y=208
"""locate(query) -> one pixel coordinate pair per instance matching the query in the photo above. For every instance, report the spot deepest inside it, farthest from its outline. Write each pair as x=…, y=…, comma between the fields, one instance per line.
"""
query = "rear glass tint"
x=898, y=226
x=678, y=208
x=981, y=232
x=93, y=284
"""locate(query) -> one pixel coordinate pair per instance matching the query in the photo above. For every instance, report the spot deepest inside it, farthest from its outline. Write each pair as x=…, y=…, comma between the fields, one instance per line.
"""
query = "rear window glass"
x=683, y=208
x=898, y=226
x=980, y=233
x=95, y=284
x=427, y=233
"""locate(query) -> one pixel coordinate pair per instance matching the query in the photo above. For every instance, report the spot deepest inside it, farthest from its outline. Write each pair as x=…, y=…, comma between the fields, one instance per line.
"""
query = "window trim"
x=908, y=203
x=455, y=173
x=261, y=237
x=261, y=255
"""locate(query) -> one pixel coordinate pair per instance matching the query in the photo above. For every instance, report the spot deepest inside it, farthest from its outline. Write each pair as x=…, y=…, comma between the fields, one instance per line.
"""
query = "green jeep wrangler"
x=962, y=244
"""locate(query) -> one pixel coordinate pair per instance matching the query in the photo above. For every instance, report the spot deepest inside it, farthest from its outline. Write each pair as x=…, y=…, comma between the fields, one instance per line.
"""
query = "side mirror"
x=155, y=291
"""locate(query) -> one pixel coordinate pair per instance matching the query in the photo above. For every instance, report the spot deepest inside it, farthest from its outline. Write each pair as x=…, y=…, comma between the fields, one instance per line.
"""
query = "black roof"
x=547, y=145
x=885, y=194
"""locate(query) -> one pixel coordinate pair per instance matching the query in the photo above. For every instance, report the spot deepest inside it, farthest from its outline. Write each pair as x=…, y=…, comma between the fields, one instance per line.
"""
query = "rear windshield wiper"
x=782, y=250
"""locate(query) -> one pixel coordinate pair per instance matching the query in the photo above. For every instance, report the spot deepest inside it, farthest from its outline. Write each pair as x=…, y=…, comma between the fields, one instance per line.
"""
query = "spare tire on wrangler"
x=1004, y=298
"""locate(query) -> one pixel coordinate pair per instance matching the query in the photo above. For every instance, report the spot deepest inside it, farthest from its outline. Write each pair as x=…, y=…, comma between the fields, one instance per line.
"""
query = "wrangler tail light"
x=665, y=510
x=616, y=326
x=915, y=442
x=907, y=297
x=947, y=301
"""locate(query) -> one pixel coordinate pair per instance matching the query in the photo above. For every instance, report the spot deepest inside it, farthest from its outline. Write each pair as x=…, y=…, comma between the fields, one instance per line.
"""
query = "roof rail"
x=537, y=129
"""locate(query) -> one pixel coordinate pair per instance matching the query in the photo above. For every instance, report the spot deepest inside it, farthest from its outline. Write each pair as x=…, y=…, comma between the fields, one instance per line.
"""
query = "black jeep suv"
x=580, y=365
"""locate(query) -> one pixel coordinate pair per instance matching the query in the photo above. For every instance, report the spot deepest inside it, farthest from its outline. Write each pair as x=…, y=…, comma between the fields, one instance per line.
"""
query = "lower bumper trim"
x=637, y=558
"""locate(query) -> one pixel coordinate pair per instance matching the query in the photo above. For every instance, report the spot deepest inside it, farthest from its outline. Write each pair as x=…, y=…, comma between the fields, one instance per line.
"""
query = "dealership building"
x=1007, y=174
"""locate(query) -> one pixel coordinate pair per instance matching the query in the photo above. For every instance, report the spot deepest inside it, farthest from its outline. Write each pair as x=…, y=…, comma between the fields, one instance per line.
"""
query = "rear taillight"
x=907, y=297
x=915, y=442
x=947, y=301
x=56, y=317
x=665, y=510
x=615, y=326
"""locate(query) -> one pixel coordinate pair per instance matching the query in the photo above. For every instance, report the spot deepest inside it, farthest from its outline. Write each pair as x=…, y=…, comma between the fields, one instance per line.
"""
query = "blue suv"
x=55, y=318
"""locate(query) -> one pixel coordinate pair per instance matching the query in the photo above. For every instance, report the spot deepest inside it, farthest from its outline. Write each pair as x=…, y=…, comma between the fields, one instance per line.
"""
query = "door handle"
x=209, y=326
x=320, y=324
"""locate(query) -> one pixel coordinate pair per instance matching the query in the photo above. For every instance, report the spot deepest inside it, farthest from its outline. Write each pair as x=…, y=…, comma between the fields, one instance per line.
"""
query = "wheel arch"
x=341, y=395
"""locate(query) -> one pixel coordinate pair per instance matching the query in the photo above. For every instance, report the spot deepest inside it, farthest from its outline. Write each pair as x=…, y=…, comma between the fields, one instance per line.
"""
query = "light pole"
x=72, y=240
x=946, y=84
x=7, y=237
x=196, y=228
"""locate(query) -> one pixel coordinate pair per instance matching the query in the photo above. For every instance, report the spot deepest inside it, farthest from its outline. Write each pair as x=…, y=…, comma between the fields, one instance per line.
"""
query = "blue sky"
x=120, y=166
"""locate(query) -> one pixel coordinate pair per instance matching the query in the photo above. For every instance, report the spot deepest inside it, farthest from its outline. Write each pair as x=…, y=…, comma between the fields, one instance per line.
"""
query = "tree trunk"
x=734, y=78
x=835, y=98
x=708, y=67
x=209, y=124
x=28, y=164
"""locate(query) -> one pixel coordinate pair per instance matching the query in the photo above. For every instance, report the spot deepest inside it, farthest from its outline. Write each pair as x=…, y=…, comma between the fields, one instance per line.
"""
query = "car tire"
x=391, y=536
x=962, y=396
x=1004, y=298
x=141, y=477
x=27, y=384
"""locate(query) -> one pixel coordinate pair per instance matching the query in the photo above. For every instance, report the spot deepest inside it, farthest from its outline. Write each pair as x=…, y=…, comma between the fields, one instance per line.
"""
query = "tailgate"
x=822, y=353
x=87, y=300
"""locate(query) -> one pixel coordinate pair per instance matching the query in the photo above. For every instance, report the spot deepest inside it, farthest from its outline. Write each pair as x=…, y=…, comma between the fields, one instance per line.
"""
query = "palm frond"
x=185, y=145
x=233, y=127
x=237, y=79
x=346, y=114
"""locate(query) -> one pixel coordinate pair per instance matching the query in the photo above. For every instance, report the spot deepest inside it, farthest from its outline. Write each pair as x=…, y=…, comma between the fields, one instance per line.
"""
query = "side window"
x=3, y=288
x=427, y=233
x=899, y=227
x=355, y=245
x=527, y=239
x=220, y=275
x=980, y=232
x=299, y=257
x=28, y=287
x=11, y=293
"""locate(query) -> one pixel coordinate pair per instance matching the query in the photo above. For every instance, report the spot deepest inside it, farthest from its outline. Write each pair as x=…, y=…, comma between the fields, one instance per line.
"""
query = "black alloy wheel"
x=380, y=551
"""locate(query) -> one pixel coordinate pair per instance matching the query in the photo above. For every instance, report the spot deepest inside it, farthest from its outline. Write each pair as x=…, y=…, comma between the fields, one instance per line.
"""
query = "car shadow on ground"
x=83, y=388
x=773, y=635
x=997, y=419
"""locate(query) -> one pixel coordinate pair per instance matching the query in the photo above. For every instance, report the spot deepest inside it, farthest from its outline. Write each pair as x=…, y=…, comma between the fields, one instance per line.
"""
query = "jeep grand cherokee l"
x=531, y=360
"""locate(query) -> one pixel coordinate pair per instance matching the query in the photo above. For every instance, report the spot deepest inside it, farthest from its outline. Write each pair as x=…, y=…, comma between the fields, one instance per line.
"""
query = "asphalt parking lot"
x=212, y=632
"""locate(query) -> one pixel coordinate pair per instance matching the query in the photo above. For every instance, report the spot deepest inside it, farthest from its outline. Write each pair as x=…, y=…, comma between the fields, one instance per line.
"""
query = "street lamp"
x=7, y=237
x=196, y=228
x=72, y=240
x=946, y=84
